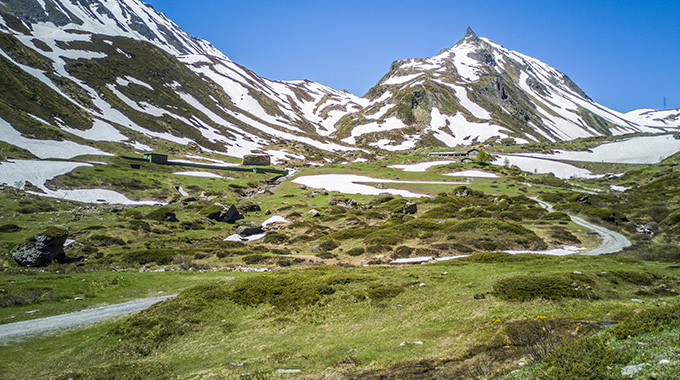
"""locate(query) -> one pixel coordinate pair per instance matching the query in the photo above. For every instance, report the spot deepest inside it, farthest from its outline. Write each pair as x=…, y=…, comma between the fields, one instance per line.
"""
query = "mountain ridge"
x=100, y=90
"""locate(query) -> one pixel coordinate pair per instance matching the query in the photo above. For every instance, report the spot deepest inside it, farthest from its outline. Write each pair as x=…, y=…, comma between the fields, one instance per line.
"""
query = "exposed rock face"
x=42, y=249
x=256, y=160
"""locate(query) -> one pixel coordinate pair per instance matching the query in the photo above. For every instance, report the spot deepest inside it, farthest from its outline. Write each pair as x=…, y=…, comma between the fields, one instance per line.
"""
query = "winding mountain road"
x=17, y=330
x=611, y=241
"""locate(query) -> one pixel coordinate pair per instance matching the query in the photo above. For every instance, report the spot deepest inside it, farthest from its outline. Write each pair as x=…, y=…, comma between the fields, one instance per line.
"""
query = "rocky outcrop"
x=42, y=249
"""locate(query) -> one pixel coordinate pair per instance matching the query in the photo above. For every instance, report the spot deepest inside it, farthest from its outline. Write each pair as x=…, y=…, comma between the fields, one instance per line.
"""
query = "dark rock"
x=42, y=249
x=231, y=216
x=171, y=217
x=248, y=207
x=409, y=209
x=480, y=296
x=268, y=212
x=218, y=213
x=248, y=230
x=256, y=160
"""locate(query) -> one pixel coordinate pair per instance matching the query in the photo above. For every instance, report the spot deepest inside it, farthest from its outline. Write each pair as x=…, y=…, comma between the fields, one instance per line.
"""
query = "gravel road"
x=12, y=331
x=611, y=241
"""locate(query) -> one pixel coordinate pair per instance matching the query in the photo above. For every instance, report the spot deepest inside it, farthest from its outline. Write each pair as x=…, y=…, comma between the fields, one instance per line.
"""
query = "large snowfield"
x=17, y=173
x=353, y=184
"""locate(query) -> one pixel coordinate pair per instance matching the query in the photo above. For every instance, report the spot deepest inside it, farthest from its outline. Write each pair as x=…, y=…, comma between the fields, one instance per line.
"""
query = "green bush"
x=287, y=291
x=384, y=291
x=9, y=228
x=402, y=251
x=529, y=287
x=648, y=321
x=328, y=245
x=28, y=296
x=355, y=251
x=161, y=214
x=556, y=216
x=635, y=277
x=148, y=330
x=586, y=358
x=255, y=259
x=275, y=238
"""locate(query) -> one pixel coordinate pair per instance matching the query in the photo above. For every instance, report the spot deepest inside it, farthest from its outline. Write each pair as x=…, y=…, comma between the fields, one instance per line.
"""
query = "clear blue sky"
x=625, y=54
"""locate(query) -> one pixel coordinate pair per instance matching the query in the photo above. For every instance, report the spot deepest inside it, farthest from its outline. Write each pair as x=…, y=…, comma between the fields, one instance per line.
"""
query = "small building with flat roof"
x=156, y=158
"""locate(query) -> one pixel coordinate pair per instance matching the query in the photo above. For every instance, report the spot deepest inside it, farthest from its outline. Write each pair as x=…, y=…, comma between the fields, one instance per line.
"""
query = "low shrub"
x=275, y=238
x=384, y=291
x=255, y=259
x=355, y=251
x=585, y=358
x=288, y=291
x=529, y=287
x=9, y=228
x=648, y=321
x=28, y=296
x=635, y=277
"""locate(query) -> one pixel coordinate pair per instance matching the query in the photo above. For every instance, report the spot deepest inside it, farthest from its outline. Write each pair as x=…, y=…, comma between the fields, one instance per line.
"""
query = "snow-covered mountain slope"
x=479, y=91
x=98, y=77
x=116, y=71
x=123, y=18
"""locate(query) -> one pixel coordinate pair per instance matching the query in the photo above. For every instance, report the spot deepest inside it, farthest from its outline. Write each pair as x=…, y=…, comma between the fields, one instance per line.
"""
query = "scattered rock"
x=78, y=299
x=249, y=207
x=236, y=364
x=574, y=284
x=577, y=272
x=314, y=213
x=268, y=212
x=632, y=370
x=42, y=248
x=479, y=296
x=664, y=361
x=636, y=300
x=248, y=230
x=409, y=209
x=288, y=371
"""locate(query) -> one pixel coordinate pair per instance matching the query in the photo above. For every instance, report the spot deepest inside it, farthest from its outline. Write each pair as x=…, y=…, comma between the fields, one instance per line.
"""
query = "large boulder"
x=220, y=214
x=249, y=230
x=42, y=248
x=409, y=209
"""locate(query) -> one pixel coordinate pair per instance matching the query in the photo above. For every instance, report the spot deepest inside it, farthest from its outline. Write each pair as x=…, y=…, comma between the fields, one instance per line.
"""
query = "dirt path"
x=18, y=330
x=611, y=241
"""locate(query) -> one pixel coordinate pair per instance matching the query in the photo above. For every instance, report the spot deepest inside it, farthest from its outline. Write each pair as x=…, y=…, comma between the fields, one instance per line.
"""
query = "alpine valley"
x=138, y=161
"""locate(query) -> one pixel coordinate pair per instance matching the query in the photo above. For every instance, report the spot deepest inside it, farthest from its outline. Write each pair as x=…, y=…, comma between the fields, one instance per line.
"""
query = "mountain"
x=97, y=77
x=478, y=91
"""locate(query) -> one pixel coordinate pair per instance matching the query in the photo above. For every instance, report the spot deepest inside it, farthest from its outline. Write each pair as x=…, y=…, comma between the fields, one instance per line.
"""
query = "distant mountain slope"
x=92, y=77
x=478, y=91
